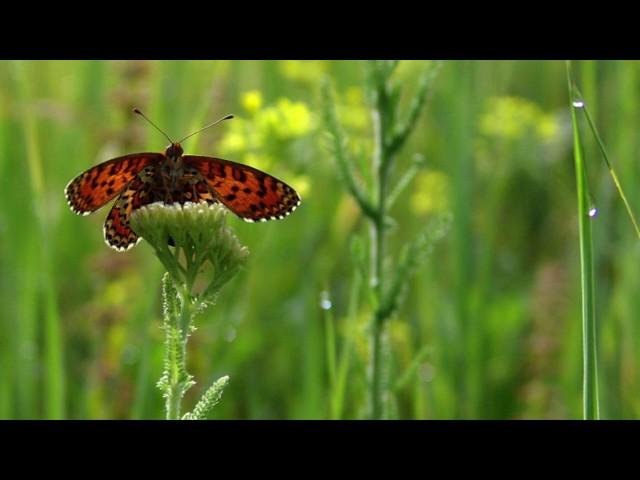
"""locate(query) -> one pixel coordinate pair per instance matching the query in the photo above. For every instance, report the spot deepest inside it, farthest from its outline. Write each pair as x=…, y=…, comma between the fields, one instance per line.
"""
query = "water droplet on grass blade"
x=578, y=104
x=593, y=212
x=325, y=301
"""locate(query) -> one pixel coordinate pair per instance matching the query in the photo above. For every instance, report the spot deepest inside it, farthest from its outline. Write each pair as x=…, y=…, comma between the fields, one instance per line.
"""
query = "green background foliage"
x=489, y=326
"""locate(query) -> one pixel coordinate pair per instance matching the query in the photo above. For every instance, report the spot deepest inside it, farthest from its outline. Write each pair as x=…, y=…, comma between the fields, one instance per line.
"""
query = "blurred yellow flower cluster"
x=354, y=117
x=431, y=193
x=352, y=110
x=252, y=101
x=286, y=120
x=268, y=132
x=303, y=71
x=512, y=118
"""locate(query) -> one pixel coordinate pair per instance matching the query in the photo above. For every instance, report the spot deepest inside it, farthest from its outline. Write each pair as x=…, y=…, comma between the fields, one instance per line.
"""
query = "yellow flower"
x=353, y=111
x=252, y=101
x=511, y=118
x=267, y=121
x=267, y=133
x=233, y=142
x=547, y=128
x=303, y=71
x=431, y=193
x=285, y=120
x=296, y=115
x=354, y=96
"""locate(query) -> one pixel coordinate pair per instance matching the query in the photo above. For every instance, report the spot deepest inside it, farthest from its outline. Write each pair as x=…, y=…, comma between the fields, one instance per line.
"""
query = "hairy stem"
x=177, y=326
x=380, y=164
x=388, y=136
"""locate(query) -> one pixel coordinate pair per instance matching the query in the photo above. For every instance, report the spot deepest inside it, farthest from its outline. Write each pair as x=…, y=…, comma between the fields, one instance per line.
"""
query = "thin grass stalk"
x=330, y=345
x=623, y=381
x=589, y=358
x=577, y=95
x=345, y=354
x=612, y=171
x=468, y=331
x=54, y=376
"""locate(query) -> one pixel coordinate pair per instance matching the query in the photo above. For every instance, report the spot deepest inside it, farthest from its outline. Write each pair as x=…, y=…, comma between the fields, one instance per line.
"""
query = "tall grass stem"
x=589, y=358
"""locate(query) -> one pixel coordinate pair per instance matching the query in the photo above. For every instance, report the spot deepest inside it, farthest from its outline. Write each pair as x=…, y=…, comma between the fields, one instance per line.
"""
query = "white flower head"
x=188, y=237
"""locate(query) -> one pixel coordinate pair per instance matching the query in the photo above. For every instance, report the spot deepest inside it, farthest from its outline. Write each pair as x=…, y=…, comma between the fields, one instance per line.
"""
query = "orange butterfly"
x=143, y=178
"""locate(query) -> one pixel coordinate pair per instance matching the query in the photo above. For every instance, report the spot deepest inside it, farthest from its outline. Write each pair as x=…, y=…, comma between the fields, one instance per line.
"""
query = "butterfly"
x=140, y=179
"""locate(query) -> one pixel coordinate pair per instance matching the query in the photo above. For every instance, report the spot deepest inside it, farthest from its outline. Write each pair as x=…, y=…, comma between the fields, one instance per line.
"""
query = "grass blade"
x=609, y=166
x=590, y=379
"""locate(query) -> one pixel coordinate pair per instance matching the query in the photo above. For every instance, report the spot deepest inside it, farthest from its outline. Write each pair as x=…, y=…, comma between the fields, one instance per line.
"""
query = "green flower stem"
x=381, y=162
x=389, y=136
x=178, y=333
x=178, y=312
x=403, y=129
x=343, y=159
x=201, y=240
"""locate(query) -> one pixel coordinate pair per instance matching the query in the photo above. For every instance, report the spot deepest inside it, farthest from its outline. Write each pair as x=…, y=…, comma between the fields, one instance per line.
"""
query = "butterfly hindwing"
x=248, y=192
x=92, y=189
x=117, y=230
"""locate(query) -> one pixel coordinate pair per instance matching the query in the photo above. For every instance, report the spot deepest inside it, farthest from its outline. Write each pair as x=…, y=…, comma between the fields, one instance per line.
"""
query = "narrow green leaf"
x=590, y=376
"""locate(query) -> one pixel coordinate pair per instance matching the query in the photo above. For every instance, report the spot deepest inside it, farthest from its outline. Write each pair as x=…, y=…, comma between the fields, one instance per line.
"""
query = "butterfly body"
x=143, y=178
x=172, y=171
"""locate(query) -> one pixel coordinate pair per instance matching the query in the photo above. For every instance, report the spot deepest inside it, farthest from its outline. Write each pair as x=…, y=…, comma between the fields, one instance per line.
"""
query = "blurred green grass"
x=493, y=317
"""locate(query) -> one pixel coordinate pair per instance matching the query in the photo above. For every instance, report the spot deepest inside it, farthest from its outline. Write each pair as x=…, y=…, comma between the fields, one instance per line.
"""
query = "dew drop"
x=325, y=301
x=593, y=212
x=578, y=104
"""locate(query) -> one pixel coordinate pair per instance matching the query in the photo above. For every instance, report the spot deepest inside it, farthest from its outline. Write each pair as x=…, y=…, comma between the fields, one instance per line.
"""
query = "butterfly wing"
x=117, y=230
x=248, y=192
x=92, y=189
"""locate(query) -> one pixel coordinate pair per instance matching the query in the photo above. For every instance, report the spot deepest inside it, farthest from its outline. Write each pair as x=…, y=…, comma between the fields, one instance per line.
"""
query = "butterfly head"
x=173, y=152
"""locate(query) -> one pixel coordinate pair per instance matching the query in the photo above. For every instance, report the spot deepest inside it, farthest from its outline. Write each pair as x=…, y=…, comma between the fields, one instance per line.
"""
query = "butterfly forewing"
x=249, y=193
x=92, y=189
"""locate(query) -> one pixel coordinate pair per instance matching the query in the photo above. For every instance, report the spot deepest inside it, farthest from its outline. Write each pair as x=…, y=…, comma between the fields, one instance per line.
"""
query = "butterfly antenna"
x=157, y=127
x=226, y=117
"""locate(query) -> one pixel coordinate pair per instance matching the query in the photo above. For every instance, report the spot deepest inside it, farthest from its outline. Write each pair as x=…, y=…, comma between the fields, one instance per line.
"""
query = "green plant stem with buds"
x=389, y=136
x=207, y=251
